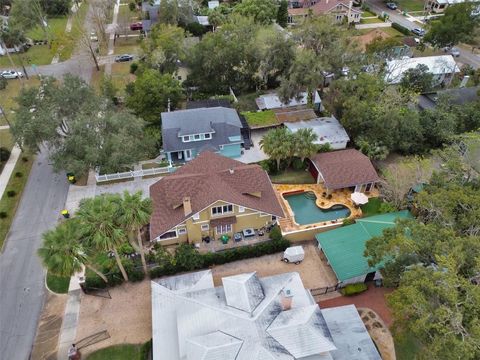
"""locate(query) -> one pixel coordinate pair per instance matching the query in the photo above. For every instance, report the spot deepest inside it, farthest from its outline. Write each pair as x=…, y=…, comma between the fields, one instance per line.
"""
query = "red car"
x=136, y=26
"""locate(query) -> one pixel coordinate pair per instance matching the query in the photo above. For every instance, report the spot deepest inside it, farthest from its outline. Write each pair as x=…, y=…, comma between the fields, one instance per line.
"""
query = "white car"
x=10, y=74
x=93, y=37
x=455, y=52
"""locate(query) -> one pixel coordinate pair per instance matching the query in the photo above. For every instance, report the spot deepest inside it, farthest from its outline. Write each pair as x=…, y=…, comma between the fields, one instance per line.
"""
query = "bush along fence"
x=401, y=29
x=187, y=258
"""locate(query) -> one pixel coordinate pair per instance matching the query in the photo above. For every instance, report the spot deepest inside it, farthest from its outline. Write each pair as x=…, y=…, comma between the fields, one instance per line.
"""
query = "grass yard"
x=127, y=46
x=8, y=95
x=371, y=21
x=117, y=352
x=58, y=284
x=293, y=177
x=406, y=348
x=260, y=118
x=246, y=102
x=427, y=52
x=372, y=207
x=37, y=55
x=6, y=139
x=121, y=76
x=410, y=5
x=8, y=205
x=366, y=13
x=392, y=32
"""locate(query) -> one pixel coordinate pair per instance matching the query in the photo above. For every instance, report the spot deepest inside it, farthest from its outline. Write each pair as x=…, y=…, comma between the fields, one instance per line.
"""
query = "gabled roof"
x=345, y=168
x=458, y=96
x=344, y=246
x=322, y=7
x=223, y=123
x=205, y=180
x=214, y=346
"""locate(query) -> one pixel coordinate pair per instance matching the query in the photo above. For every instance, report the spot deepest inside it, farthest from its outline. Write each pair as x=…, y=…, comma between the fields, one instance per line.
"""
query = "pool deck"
x=339, y=197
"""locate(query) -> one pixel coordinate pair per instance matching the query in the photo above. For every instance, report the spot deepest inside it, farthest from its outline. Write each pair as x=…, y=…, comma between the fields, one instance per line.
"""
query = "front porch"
x=216, y=245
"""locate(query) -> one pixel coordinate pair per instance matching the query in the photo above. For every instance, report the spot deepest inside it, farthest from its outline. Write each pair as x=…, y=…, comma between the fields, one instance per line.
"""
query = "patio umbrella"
x=359, y=198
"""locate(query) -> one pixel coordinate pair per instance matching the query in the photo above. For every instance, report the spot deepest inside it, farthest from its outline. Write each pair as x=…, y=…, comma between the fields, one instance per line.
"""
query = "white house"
x=251, y=318
x=442, y=67
x=272, y=101
x=328, y=130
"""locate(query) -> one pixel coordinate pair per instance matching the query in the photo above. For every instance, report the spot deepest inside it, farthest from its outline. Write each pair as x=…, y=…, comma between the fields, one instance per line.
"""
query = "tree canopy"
x=262, y=11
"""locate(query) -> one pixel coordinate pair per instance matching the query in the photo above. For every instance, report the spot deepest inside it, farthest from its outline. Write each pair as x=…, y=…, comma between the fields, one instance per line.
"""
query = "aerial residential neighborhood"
x=239, y=179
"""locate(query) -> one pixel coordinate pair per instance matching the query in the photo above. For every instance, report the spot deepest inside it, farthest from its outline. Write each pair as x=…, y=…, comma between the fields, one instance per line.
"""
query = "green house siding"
x=231, y=151
x=344, y=246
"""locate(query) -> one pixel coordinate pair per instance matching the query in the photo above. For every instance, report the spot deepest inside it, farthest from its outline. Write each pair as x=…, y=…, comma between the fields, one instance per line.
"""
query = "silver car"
x=455, y=52
x=10, y=74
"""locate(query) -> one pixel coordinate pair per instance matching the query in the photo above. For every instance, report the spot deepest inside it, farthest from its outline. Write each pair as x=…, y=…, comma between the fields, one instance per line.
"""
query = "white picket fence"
x=134, y=174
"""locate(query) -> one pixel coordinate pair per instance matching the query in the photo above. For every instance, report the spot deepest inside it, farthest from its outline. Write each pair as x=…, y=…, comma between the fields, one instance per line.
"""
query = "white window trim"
x=205, y=227
x=222, y=212
x=241, y=209
x=196, y=216
x=169, y=238
x=227, y=227
x=181, y=231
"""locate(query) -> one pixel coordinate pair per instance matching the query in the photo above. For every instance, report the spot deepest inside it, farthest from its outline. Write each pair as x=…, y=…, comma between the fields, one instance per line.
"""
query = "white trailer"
x=294, y=254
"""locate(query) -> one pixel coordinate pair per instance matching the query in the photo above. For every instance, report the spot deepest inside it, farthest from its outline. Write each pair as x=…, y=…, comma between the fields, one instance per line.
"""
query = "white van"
x=294, y=254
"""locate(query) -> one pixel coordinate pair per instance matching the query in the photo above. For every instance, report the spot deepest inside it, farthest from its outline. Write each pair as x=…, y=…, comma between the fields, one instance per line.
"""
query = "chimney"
x=286, y=300
x=187, y=206
x=231, y=171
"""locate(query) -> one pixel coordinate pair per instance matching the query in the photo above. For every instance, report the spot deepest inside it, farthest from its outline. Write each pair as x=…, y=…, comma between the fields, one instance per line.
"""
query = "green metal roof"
x=344, y=246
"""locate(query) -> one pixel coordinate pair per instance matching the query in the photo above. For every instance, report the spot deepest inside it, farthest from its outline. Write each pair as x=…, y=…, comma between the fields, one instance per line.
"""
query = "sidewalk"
x=8, y=169
x=111, y=41
x=68, y=29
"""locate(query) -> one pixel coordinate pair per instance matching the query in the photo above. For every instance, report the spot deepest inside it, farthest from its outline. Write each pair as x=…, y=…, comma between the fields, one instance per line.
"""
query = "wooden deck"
x=339, y=197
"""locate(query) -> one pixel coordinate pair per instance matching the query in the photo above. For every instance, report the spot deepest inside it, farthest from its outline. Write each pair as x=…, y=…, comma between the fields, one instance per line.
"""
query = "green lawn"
x=37, y=54
x=410, y=5
x=406, y=348
x=9, y=205
x=8, y=95
x=6, y=139
x=117, y=352
x=58, y=284
x=121, y=76
x=372, y=207
x=371, y=21
x=127, y=46
x=293, y=177
x=392, y=32
x=260, y=118
x=366, y=13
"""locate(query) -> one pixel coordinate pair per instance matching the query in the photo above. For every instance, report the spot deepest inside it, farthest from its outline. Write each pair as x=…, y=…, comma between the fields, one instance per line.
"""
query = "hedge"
x=401, y=28
x=353, y=289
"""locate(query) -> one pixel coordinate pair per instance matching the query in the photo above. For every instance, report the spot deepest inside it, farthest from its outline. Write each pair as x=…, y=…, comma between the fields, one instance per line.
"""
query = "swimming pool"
x=306, y=210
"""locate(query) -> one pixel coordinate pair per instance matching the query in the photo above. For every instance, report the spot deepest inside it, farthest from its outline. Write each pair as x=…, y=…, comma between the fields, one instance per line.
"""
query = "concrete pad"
x=255, y=153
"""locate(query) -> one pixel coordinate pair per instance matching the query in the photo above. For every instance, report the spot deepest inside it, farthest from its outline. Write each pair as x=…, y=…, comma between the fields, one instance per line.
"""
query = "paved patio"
x=255, y=153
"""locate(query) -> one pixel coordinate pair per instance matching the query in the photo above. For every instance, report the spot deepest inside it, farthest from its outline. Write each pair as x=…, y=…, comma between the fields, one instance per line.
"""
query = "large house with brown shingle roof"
x=211, y=196
x=344, y=169
x=340, y=10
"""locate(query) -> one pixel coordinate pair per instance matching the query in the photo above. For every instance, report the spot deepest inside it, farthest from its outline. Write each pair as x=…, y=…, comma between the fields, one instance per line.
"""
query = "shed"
x=344, y=247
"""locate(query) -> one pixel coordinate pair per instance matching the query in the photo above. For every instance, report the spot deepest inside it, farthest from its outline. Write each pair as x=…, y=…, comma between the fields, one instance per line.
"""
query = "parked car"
x=455, y=52
x=418, y=31
x=10, y=74
x=392, y=6
x=93, y=36
x=136, y=26
x=123, y=58
x=293, y=254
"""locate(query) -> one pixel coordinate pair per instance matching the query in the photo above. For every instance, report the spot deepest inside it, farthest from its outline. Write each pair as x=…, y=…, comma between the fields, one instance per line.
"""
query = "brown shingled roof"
x=207, y=179
x=345, y=168
x=321, y=7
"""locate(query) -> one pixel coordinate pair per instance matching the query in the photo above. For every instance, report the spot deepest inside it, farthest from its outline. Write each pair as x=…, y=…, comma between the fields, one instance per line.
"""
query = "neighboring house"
x=439, y=6
x=251, y=318
x=344, y=169
x=340, y=10
x=457, y=96
x=344, y=247
x=211, y=196
x=186, y=133
x=150, y=14
x=272, y=101
x=442, y=67
x=328, y=130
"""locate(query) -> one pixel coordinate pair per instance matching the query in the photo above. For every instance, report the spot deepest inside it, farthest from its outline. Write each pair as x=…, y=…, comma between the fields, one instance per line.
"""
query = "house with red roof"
x=210, y=197
x=344, y=169
x=340, y=10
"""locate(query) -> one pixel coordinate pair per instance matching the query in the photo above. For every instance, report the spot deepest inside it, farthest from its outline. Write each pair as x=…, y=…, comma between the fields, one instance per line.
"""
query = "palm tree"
x=305, y=143
x=62, y=253
x=97, y=217
x=134, y=214
x=277, y=144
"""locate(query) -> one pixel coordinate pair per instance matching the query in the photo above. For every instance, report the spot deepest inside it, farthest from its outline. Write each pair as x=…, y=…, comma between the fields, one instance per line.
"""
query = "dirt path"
x=46, y=340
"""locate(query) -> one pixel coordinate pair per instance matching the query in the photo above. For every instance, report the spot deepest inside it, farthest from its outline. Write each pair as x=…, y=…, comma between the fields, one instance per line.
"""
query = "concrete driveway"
x=255, y=153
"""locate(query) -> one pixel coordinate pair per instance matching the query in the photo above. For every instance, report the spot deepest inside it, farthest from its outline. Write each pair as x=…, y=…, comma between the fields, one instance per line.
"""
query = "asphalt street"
x=21, y=274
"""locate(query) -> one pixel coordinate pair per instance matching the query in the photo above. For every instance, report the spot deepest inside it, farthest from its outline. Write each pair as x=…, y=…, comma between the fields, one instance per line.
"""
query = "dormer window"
x=186, y=138
x=208, y=136
x=197, y=137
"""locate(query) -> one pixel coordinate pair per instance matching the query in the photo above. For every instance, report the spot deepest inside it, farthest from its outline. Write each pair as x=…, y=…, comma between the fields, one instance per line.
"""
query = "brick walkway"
x=373, y=298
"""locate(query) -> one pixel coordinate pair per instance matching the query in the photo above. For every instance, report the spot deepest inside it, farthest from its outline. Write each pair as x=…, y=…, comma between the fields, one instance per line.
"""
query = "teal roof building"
x=344, y=247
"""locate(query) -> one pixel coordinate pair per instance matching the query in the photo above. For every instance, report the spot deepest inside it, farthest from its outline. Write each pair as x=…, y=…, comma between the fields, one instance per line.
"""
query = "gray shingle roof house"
x=186, y=133
x=270, y=318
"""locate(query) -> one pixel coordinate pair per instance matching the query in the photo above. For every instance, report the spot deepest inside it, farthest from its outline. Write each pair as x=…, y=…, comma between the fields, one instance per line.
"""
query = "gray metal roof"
x=243, y=291
x=224, y=123
x=328, y=129
x=199, y=324
x=457, y=96
x=349, y=334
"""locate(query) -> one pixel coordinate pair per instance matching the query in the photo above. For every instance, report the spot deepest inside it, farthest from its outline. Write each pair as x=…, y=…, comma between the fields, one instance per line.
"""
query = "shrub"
x=348, y=221
x=135, y=275
x=401, y=28
x=24, y=159
x=298, y=164
x=4, y=154
x=386, y=207
x=18, y=174
x=3, y=214
x=3, y=83
x=133, y=68
x=11, y=193
x=276, y=233
x=353, y=289
x=196, y=29
x=132, y=6
x=187, y=258
x=269, y=165
x=146, y=350
x=126, y=249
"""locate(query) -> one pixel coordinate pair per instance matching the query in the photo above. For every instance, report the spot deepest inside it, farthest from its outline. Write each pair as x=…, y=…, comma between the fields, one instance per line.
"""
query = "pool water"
x=306, y=210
